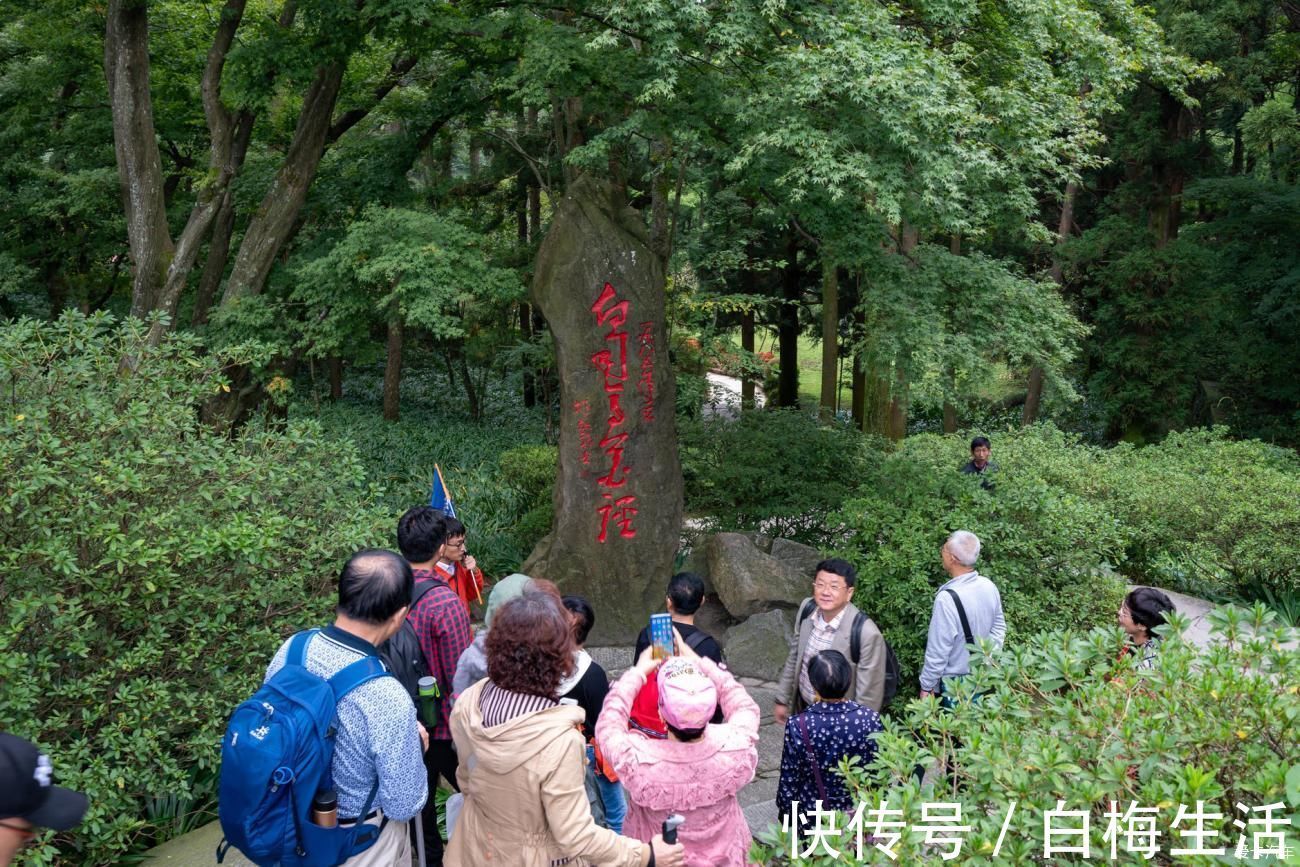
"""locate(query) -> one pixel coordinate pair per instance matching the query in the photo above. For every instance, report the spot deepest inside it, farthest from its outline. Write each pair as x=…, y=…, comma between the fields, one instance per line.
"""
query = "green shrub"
x=1068, y=720
x=530, y=470
x=150, y=568
x=1212, y=514
x=1045, y=546
x=400, y=457
x=776, y=470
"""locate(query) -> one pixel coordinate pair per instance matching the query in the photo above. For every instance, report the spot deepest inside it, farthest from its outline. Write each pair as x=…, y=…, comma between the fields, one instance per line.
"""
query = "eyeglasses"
x=460, y=544
x=830, y=588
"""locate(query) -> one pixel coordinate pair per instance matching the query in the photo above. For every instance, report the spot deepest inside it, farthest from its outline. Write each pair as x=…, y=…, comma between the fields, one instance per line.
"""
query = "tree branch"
x=353, y=116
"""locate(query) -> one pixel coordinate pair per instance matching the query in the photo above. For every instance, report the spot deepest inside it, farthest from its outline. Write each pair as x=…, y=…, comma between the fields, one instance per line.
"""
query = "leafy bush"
x=400, y=457
x=530, y=470
x=1043, y=545
x=1217, y=515
x=776, y=470
x=150, y=567
x=1068, y=720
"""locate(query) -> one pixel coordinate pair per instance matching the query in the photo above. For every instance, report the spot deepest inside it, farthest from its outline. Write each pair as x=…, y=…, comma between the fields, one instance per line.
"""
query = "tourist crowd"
x=550, y=763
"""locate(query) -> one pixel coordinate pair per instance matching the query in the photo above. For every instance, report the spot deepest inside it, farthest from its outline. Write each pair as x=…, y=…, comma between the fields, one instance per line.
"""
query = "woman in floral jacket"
x=831, y=729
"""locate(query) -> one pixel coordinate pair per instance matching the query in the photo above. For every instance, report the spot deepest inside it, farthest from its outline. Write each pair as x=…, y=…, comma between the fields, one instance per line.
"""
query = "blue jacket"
x=837, y=729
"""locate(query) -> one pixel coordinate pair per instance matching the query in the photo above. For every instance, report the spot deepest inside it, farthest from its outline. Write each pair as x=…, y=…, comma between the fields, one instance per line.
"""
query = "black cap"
x=27, y=789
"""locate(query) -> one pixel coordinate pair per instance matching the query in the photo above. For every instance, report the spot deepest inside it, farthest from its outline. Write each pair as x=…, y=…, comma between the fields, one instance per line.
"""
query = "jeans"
x=611, y=794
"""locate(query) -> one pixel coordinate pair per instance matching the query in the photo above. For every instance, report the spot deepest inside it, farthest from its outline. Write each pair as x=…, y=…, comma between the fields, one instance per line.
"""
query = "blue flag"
x=439, y=496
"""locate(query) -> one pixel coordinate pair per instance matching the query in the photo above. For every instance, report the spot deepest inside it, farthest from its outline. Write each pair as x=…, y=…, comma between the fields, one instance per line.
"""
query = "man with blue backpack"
x=322, y=766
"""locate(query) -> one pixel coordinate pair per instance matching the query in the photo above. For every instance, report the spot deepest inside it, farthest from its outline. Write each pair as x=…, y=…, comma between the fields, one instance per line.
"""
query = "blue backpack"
x=276, y=755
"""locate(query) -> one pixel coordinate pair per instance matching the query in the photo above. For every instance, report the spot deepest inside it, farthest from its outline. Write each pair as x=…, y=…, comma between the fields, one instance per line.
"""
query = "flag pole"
x=446, y=495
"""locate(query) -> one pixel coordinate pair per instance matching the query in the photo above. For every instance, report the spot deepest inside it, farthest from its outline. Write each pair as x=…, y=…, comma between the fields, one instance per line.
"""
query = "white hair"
x=964, y=546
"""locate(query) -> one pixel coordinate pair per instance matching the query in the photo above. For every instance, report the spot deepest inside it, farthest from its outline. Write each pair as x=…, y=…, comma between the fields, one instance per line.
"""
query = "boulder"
x=758, y=647
x=799, y=558
x=618, y=486
x=749, y=581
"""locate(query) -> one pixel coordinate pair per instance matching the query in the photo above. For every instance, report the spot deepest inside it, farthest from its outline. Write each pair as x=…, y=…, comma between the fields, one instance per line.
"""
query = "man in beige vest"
x=830, y=627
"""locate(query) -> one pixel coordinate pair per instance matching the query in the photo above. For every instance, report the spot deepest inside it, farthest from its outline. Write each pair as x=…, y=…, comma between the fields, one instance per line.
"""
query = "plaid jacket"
x=442, y=625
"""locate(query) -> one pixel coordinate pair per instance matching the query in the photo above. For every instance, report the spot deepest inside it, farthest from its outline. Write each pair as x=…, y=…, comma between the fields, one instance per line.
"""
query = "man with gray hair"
x=967, y=607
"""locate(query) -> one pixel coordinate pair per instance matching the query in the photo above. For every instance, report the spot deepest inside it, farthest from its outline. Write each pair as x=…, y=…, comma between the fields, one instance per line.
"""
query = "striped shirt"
x=500, y=706
x=819, y=638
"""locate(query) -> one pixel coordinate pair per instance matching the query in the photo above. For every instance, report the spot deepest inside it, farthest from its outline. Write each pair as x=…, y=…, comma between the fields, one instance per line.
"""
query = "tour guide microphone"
x=671, y=824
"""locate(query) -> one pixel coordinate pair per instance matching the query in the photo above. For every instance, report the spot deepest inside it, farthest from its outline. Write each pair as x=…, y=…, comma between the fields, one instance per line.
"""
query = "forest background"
x=263, y=262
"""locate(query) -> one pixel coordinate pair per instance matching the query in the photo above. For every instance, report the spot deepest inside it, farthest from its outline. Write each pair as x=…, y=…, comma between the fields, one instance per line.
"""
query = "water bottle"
x=671, y=824
x=325, y=808
x=430, y=712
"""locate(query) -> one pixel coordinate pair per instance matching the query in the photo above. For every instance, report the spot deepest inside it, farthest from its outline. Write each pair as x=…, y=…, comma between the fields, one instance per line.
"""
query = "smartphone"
x=661, y=635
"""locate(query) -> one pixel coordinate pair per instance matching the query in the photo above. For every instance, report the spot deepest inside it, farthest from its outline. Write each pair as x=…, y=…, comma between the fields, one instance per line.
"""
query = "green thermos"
x=430, y=713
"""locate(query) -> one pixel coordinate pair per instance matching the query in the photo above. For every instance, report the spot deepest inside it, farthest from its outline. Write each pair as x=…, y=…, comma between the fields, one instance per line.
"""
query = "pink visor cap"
x=687, y=698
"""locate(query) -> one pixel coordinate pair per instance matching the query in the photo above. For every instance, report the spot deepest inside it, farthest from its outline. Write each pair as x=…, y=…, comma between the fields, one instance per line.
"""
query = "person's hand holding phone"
x=647, y=661
x=682, y=647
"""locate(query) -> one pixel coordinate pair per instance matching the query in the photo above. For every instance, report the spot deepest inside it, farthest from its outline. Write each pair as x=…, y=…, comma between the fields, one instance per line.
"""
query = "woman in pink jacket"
x=698, y=769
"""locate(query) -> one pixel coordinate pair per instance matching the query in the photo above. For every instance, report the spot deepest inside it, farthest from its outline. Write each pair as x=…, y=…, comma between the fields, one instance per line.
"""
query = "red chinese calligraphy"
x=582, y=409
x=621, y=511
x=612, y=364
x=646, y=384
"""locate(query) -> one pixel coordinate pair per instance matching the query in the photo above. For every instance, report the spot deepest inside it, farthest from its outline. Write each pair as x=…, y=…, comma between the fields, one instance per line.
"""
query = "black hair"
x=686, y=589
x=684, y=734
x=420, y=533
x=1147, y=607
x=830, y=674
x=586, y=616
x=454, y=526
x=836, y=566
x=374, y=585
x=980, y=441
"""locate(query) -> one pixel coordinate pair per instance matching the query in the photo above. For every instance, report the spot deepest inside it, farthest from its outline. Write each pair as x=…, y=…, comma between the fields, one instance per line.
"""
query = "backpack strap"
x=855, y=638
x=697, y=638
x=365, y=669
x=961, y=612
x=419, y=591
x=804, y=613
x=297, y=654
x=812, y=757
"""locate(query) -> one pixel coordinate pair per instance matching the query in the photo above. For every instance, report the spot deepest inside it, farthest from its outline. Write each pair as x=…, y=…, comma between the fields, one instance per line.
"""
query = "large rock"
x=798, y=558
x=750, y=581
x=618, y=489
x=758, y=647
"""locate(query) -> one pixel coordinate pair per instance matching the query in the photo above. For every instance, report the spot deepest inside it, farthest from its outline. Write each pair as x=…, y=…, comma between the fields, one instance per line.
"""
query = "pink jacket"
x=699, y=779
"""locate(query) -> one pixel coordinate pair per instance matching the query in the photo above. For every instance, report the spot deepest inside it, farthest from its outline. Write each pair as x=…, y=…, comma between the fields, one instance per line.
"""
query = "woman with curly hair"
x=522, y=752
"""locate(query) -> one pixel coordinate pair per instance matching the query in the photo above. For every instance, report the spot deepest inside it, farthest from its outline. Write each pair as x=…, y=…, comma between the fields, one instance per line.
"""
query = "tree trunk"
x=830, y=338
x=618, y=489
x=949, y=417
x=335, y=364
x=393, y=368
x=787, y=392
x=747, y=344
x=467, y=382
x=139, y=165
x=275, y=217
x=214, y=267
x=859, y=392
x=530, y=376
x=1034, y=389
x=896, y=424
